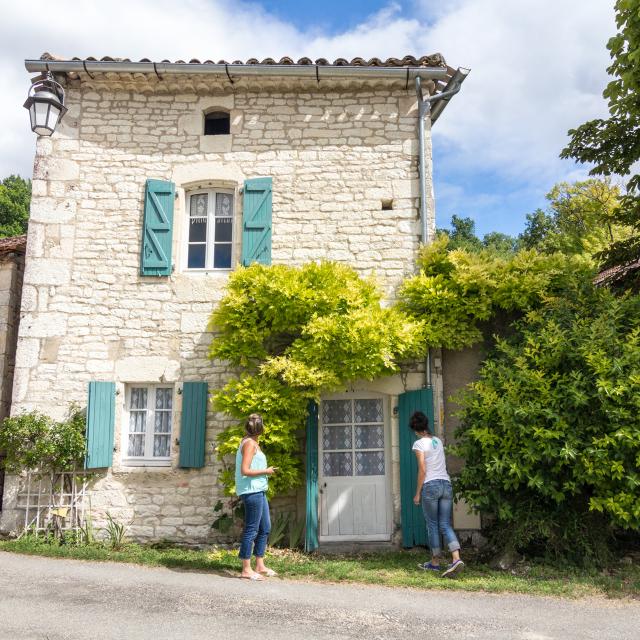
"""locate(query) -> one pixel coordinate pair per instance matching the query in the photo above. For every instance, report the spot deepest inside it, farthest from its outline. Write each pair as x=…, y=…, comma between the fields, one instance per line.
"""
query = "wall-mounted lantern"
x=46, y=105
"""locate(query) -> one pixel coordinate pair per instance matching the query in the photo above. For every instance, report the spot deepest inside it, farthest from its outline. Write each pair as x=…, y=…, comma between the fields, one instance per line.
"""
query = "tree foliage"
x=15, y=199
x=294, y=333
x=33, y=441
x=612, y=145
x=462, y=235
x=580, y=219
x=456, y=292
x=551, y=431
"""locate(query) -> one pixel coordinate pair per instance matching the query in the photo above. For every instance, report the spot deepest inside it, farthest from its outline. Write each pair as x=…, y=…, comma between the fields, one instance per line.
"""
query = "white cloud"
x=538, y=69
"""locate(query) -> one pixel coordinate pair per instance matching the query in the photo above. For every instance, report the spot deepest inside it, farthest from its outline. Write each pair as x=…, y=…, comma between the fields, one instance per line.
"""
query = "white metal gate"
x=53, y=502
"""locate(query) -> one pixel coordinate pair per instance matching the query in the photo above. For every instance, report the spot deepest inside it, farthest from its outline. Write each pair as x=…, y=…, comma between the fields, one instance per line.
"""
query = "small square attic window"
x=217, y=123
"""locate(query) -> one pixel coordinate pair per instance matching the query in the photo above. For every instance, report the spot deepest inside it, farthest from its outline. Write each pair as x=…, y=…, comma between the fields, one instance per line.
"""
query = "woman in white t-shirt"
x=434, y=492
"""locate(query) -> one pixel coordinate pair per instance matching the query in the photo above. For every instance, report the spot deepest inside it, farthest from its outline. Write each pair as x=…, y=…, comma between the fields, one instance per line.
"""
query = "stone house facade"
x=159, y=181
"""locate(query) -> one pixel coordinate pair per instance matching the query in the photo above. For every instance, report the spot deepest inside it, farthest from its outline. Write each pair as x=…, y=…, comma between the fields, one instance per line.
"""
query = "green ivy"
x=293, y=334
x=33, y=441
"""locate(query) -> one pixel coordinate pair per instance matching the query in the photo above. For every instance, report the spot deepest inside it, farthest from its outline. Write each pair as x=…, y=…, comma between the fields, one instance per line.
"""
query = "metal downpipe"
x=424, y=109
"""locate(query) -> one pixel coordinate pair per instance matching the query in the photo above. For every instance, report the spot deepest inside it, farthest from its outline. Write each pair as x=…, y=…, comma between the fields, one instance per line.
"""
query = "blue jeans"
x=257, y=525
x=437, y=505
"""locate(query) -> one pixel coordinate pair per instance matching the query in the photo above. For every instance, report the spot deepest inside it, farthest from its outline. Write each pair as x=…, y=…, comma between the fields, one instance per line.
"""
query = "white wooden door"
x=354, y=469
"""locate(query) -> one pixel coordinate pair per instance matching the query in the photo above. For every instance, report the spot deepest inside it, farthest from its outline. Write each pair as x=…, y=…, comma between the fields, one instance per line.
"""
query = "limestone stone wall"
x=345, y=188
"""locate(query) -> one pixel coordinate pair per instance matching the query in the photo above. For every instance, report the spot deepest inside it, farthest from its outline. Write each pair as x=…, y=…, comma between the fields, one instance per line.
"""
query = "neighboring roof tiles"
x=617, y=273
x=15, y=244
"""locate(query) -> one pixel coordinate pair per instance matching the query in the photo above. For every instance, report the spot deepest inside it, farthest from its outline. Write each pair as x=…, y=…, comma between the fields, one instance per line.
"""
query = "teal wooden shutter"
x=311, y=529
x=193, y=425
x=157, y=231
x=256, y=221
x=414, y=531
x=101, y=410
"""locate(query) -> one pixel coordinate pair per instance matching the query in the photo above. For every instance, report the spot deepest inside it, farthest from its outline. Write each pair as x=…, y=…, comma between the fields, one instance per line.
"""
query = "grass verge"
x=391, y=569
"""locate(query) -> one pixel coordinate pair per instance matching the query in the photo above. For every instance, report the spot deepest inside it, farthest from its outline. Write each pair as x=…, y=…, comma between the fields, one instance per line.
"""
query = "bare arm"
x=248, y=451
x=422, y=472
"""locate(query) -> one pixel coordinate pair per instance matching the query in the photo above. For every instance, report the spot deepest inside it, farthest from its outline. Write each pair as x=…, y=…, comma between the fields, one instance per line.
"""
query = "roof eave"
x=238, y=70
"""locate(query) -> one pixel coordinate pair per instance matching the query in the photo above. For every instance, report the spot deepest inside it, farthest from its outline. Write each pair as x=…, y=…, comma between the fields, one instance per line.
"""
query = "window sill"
x=150, y=464
x=214, y=271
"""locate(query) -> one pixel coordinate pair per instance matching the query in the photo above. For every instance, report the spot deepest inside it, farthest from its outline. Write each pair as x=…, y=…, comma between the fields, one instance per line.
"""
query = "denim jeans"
x=257, y=525
x=437, y=505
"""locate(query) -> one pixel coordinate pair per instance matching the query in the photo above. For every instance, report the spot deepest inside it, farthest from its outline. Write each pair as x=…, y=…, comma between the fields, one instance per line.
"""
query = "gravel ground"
x=46, y=598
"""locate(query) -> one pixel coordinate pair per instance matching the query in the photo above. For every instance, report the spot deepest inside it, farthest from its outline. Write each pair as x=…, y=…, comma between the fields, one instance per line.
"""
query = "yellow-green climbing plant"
x=293, y=333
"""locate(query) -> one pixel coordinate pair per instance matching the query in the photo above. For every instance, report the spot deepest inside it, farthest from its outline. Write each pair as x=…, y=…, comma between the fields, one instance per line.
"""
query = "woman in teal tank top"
x=252, y=482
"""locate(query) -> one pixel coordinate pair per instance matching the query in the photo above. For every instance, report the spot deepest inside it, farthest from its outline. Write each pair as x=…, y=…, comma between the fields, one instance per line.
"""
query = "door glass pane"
x=336, y=437
x=369, y=436
x=337, y=464
x=368, y=410
x=369, y=463
x=336, y=412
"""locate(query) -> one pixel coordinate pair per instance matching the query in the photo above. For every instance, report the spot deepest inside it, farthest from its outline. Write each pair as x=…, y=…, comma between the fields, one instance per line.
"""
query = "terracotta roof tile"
x=14, y=244
x=434, y=60
x=613, y=274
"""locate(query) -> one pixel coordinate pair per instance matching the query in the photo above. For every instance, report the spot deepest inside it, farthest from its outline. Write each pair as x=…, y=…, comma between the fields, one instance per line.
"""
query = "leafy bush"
x=457, y=292
x=33, y=441
x=295, y=333
x=551, y=431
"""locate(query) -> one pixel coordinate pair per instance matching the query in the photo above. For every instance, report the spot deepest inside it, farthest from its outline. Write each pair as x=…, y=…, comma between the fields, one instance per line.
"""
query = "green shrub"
x=33, y=441
x=551, y=431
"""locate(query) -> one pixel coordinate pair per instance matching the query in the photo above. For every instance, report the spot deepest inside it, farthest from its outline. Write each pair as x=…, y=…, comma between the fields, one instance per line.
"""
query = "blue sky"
x=538, y=68
x=331, y=16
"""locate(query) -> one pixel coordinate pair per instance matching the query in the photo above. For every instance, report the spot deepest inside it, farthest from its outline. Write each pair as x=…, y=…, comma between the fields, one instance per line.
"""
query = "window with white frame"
x=210, y=229
x=148, y=424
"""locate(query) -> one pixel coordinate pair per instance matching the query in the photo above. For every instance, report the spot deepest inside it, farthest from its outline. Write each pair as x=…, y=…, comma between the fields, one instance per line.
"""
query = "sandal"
x=254, y=576
x=270, y=573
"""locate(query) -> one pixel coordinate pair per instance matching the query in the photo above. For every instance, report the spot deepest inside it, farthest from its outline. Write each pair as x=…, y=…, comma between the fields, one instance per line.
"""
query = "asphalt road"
x=45, y=598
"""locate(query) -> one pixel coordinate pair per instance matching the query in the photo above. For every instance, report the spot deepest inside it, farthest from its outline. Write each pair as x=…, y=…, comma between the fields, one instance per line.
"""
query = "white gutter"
x=317, y=71
x=424, y=108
